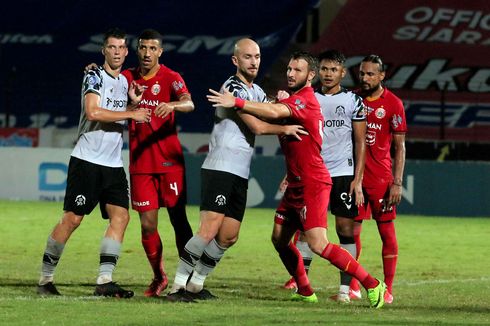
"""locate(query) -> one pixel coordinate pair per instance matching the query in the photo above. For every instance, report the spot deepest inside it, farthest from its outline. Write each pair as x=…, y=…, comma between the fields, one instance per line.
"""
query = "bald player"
x=224, y=177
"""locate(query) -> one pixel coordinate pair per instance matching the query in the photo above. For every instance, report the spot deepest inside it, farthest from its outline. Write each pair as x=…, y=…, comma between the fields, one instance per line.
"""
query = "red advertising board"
x=436, y=53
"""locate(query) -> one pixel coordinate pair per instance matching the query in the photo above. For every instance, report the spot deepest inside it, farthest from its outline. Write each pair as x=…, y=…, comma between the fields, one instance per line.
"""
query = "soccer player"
x=156, y=165
x=305, y=201
x=95, y=171
x=382, y=182
x=224, y=177
x=343, y=152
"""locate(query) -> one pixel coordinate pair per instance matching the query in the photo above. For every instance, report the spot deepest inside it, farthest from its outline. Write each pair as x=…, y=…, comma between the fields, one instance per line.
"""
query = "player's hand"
x=356, y=189
x=141, y=115
x=295, y=131
x=163, y=109
x=281, y=95
x=135, y=92
x=225, y=99
x=395, y=195
x=283, y=185
x=88, y=67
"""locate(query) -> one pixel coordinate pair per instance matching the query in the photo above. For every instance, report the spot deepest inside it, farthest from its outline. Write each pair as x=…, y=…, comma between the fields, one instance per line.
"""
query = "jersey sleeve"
x=179, y=87
x=92, y=82
x=398, y=123
x=235, y=88
x=359, y=108
x=297, y=107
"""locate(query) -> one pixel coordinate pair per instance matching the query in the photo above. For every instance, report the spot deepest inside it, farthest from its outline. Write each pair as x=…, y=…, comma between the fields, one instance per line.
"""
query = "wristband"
x=239, y=103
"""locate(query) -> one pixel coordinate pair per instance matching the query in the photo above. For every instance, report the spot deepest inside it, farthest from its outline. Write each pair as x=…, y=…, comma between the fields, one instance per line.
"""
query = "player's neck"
x=247, y=82
x=149, y=73
x=114, y=72
x=332, y=90
x=375, y=94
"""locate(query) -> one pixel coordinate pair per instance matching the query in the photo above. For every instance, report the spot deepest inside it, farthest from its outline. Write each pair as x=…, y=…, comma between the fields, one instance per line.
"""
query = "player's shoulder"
x=235, y=86
x=392, y=97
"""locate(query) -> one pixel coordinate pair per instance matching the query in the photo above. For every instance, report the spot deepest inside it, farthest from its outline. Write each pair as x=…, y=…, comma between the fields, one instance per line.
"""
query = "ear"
x=311, y=75
x=344, y=71
x=382, y=76
x=234, y=60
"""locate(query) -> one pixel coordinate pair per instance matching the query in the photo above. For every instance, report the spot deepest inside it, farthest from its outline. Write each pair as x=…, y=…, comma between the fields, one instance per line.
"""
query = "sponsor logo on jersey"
x=155, y=89
x=380, y=113
x=340, y=110
x=299, y=105
x=370, y=138
x=334, y=123
x=92, y=80
x=177, y=84
x=396, y=121
x=141, y=203
x=220, y=200
x=80, y=200
x=375, y=126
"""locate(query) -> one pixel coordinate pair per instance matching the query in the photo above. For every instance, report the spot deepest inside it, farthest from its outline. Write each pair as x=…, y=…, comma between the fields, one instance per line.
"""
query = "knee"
x=120, y=220
x=71, y=221
x=227, y=242
x=148, y=225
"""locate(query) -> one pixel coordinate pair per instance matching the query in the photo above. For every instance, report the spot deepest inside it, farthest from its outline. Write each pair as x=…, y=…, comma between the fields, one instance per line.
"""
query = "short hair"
x=373, y=58
x=310, y=59
x=151, y=34
x=332, y=55
x=115, y=33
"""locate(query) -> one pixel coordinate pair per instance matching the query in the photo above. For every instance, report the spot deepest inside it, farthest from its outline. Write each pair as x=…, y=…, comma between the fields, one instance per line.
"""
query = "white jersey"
x=339, y=111
x=231, y=144
x=101, y=142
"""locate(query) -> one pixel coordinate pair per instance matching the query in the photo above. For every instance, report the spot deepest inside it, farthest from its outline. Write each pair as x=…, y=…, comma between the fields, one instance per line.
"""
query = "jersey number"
x=174, y=187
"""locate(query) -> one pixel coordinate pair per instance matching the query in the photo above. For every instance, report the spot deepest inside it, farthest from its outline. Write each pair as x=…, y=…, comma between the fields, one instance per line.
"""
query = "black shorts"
x=224, y=193
x=341, y=204
x=89, y=184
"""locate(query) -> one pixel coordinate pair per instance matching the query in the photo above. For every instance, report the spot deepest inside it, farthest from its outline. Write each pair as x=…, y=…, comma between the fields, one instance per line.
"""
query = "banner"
x=40, y=174
x=44, y=47
x=436, y=53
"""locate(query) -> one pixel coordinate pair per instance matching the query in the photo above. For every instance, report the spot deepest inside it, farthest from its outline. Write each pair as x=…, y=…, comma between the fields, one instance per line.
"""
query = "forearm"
x=269, y=111
x=182, y=106
x=399, y=162
x=103, y=115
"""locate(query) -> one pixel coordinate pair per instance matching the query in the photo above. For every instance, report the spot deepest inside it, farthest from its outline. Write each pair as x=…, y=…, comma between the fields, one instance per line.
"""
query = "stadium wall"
x=430, y=188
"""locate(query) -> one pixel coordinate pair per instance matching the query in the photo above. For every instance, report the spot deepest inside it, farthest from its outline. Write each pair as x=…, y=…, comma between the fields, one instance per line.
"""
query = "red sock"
x=292, y=260
x=354, y=284
x=343, y=260
x=154, y=251
x=389, y=252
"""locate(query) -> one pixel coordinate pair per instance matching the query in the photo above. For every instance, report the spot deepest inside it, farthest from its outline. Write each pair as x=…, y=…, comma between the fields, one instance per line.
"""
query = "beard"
x=298, y=86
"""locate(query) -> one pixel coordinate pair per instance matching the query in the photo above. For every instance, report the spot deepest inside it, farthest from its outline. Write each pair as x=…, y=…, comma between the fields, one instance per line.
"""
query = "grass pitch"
x=443, y=275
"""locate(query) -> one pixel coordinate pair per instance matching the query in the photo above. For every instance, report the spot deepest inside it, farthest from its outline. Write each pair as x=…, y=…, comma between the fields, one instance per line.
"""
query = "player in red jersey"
x=382, y=182
x=156, y=167
x=304, y=204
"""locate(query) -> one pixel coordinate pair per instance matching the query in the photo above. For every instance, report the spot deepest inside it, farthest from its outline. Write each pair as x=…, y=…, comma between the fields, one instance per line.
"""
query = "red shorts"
x=152, y=191
x=374, y=205
x=304, y=207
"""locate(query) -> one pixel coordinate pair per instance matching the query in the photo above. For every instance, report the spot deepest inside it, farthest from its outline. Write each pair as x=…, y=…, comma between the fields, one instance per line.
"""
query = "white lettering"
x=173, y=186
x=433, y=73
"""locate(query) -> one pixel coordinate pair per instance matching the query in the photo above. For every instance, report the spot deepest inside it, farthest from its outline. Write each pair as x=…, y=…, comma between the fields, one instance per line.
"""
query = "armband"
x=239, y=103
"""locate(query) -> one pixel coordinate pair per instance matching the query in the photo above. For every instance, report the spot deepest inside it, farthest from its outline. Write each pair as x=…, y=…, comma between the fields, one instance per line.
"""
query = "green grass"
x=443, y=275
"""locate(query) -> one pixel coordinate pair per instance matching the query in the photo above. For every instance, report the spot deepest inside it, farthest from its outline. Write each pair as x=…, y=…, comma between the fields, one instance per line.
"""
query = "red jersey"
x=385, y=116
x=303, y=160
x=154, y=146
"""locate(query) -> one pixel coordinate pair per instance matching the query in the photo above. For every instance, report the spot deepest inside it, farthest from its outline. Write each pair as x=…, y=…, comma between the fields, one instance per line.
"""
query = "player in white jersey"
x=343, y=152
x=224, y=177
x=95, y=171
